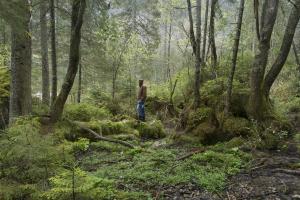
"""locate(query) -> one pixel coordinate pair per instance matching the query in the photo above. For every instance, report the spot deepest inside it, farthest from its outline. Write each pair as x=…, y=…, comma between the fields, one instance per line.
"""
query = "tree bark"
x=53, y=52
x=79, y=82
x=296, y=56
x=214, y=56
x=234, y=55
x=257, y=105
x=20, y=88
x=205, y=32
x=284, y=49
x=78, y=8
x=44, y=53
x=196, y=43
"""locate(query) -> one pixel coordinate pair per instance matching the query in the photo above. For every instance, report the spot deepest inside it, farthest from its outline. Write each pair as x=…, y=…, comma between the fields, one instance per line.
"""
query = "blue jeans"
x=141, y=110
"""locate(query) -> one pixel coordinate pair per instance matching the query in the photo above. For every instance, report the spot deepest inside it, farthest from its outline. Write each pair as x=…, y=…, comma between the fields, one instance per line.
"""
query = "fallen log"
x=99, y=137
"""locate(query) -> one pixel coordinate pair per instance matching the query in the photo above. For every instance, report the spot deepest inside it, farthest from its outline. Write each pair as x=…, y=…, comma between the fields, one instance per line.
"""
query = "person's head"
x=141, y=82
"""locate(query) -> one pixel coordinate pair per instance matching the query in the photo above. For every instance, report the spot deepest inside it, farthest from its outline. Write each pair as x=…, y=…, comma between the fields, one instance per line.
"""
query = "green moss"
x=206, y=133
x=85, y=112
x=197, y=117
x=151, y=130
x=107, y=127
x=236, y=126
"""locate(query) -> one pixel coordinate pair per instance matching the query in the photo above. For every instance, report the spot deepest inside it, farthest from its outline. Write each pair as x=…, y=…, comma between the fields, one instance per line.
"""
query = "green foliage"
x=85, y=112
x=159, y=167
x=86, y=186
x=151, y=130
x=27, y=158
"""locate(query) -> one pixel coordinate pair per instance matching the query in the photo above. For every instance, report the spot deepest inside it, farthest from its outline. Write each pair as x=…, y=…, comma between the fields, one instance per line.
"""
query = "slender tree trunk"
x=169, y=56
x=78, y=8
x=20, y=94
x=196, y=43
x=284, y=49
x=234, y=55
x=205, y=32
x=257, y=102
x=296, y=56
x=44, y=53
x=53, y=52
x=214, y=56
x=79, y=82
x=256, y=15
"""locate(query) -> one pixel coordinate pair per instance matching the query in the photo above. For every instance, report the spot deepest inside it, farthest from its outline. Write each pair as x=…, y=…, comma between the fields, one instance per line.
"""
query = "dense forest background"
x=223, y=82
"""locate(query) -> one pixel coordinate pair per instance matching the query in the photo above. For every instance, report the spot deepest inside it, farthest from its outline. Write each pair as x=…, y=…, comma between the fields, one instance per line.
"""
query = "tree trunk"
x=44, y=53
x=53, y=52
x=296, y=56
x=214, y=56
x=284, y=49
x=79, y=82
x=20, y=96
x=78, y=8
x=196, y=43
x=205, y=32
x=257, y=102
x=234, y=55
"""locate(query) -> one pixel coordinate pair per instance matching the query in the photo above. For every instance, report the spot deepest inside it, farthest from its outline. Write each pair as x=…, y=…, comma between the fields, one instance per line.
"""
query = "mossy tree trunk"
x=78, y=8
x=44, y=53
x=53, y=52
x=234, y=56
x=18, y=14
x=259, y=105
x=212, y=42
x=196, y=44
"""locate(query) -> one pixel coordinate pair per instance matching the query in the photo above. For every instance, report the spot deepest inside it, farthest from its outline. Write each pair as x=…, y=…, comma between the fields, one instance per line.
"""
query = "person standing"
x=142, y=95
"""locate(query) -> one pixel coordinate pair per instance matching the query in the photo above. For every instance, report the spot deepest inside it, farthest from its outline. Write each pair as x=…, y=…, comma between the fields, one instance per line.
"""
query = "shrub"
x=86, y=112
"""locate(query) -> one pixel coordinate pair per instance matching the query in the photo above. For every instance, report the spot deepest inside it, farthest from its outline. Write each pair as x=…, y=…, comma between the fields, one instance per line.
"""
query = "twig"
x=190, y=154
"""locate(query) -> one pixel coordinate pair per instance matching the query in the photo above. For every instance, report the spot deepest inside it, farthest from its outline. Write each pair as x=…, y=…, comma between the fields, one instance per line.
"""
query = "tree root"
x=99, y=137
x=287, y=171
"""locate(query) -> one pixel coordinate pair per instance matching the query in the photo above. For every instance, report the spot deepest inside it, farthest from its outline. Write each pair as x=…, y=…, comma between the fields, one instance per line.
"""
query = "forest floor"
x=271, y=175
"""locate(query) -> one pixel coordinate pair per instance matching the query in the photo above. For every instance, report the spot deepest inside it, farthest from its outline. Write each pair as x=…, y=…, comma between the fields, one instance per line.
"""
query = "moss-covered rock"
x=236, y=126
x=151, y=130
x=86, y=112
x=206, y=133
x=199, y=116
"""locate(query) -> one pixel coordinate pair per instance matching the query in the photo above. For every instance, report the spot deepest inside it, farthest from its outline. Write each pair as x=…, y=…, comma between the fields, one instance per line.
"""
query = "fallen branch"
x=99, y=137
x=191, y=154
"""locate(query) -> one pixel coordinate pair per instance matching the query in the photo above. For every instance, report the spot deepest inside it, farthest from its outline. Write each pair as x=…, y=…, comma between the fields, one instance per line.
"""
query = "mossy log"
x=99, y=137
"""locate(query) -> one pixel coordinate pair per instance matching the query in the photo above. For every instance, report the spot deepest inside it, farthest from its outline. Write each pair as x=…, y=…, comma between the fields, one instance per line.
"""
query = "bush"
x=85, y=112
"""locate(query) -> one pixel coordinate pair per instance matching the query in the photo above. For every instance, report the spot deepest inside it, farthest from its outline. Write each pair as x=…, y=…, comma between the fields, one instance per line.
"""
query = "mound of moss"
x=151, y=130
x=86, y=112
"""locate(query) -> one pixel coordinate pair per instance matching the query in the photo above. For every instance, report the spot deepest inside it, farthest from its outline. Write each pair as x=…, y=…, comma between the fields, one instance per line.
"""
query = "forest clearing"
x=149, y=99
